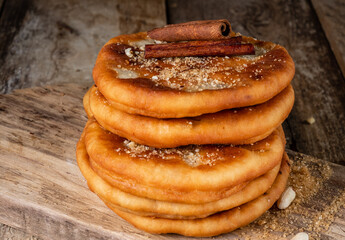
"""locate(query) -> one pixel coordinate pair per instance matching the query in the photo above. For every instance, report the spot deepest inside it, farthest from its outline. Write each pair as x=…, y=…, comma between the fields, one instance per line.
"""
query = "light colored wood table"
x=43, y=193
x=56, y=41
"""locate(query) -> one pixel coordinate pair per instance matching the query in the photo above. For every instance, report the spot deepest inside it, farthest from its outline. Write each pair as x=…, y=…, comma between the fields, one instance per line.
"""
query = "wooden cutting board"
x=43, y=193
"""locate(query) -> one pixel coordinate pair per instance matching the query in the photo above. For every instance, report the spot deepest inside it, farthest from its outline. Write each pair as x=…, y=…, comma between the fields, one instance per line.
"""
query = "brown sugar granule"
x=192, y=74
x=193, y=155
x=318, y=201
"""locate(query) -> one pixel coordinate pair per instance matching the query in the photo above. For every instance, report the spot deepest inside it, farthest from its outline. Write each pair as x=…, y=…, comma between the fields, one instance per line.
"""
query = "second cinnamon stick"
x=198, y=49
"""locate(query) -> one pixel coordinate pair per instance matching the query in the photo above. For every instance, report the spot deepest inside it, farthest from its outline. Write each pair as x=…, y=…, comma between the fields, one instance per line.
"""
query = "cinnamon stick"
x=198, y=49
x=195, y=30
x=229, y=41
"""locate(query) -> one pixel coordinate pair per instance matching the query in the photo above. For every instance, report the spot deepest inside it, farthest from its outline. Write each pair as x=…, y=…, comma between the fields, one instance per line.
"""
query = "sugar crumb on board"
x=318, y=201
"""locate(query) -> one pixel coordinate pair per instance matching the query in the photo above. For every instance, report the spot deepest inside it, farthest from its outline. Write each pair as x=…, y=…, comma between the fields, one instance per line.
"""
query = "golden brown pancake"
x=189, y=86
x=235, y=126
x=149, y=207
x=138, y=189
x=86, y=103
x=183, y=169
x=216, y=224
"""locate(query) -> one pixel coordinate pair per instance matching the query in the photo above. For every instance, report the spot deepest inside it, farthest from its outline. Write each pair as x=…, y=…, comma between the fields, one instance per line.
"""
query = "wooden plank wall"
x=331, y=14
x=319, y=84
x=54, y=41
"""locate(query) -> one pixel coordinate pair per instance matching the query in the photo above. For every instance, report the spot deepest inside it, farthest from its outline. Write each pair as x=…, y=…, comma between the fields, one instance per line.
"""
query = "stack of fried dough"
x=187, y=145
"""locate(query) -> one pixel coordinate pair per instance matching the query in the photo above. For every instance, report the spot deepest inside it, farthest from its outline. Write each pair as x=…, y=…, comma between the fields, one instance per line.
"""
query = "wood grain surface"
x=54, y=41
x=318, y=83
x=331, y=14
x=43, y=193
x=45, y=42
x=49, y=42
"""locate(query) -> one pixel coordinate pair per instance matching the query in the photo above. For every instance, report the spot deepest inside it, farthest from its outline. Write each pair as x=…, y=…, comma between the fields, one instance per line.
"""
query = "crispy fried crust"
x=218, y=223
x=149, y=207
x=86, y=104
x=261, y=79
x=236, y=126
x=224, y=166
x=163, y=194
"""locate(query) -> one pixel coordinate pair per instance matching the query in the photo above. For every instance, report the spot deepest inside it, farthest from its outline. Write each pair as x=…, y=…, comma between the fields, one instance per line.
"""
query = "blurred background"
x=48, y=42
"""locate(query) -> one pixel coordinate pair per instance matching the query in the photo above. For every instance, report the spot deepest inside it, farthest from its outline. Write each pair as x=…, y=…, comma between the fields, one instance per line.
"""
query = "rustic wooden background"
x=57, y=41
x=47, y=42
x=319, y=84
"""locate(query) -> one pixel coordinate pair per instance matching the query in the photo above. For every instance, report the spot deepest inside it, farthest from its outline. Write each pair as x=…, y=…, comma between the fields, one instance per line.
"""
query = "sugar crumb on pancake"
x=149, y=207
x=190, y=154
x=189, y=86
x=192, y=74
x=185, y=136
x=232, y=164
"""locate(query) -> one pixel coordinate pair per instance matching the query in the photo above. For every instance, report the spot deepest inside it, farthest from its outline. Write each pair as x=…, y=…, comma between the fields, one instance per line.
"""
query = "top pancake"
x=188, y=86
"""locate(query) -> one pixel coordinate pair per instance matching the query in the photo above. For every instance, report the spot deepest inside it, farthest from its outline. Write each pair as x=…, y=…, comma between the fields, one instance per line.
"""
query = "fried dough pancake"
x=188, y=86
x=164, y=194
x=216, y=224
x=149, y=207
x=235, y=126
x=194, y=167
x=86, y=104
